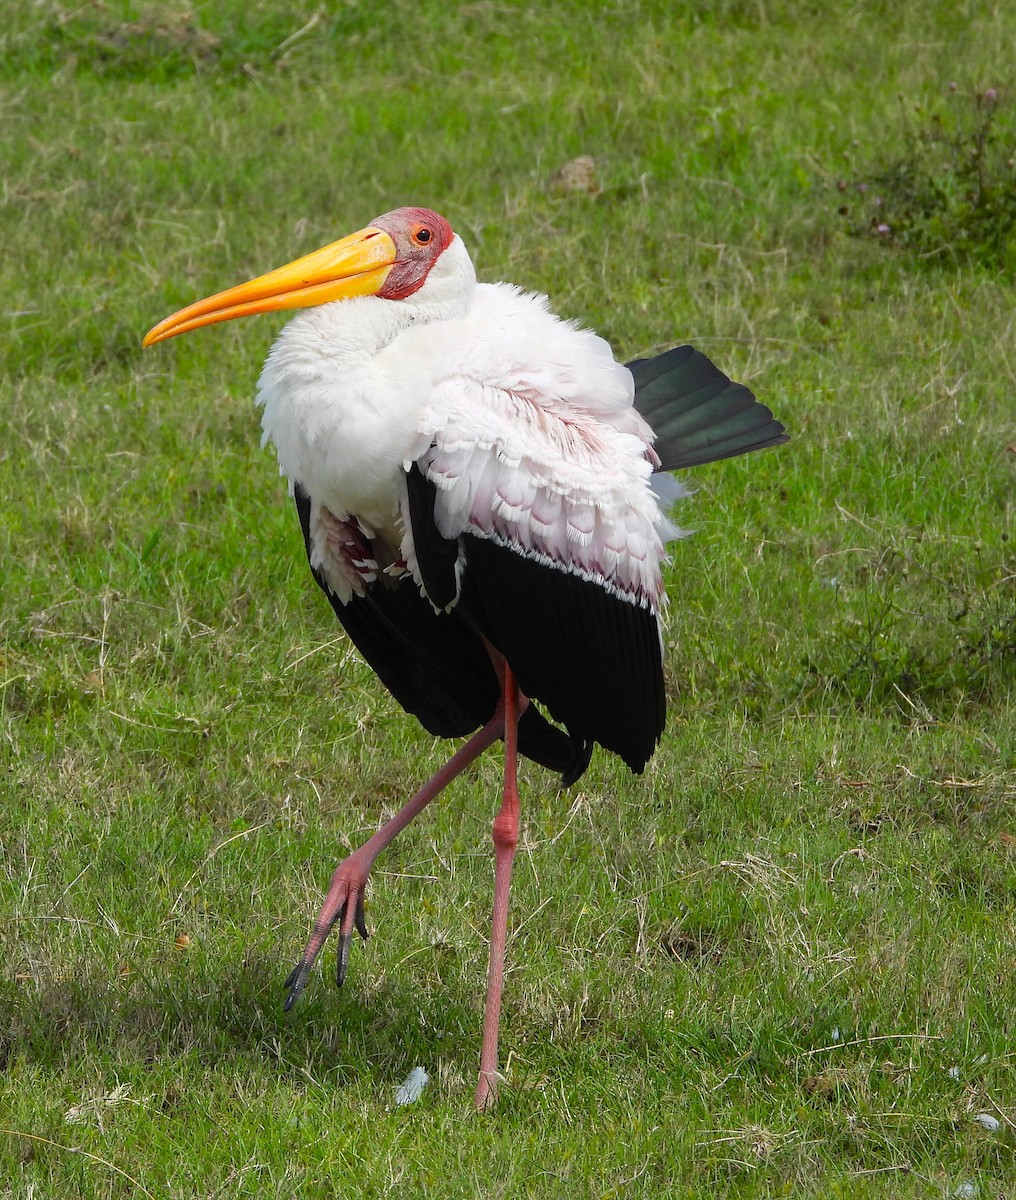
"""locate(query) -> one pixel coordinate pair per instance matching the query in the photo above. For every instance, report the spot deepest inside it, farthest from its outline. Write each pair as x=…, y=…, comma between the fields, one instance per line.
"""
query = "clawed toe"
x=347, y=919
x=296, y=981
x=346, y=938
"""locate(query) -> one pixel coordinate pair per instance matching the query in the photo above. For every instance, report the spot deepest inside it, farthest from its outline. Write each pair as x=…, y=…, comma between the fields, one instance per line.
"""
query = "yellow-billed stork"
x=480, y=491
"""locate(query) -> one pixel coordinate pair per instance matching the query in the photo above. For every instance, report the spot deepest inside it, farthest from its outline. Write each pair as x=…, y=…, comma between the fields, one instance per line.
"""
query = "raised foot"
x=343, y=905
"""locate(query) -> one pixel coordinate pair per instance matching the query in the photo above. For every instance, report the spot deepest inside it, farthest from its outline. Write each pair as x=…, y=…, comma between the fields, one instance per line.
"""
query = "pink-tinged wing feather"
x=531, y=440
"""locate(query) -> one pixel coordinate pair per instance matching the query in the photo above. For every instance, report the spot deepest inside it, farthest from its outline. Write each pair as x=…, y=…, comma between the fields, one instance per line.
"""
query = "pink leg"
x=506, y=837
x=344, y=901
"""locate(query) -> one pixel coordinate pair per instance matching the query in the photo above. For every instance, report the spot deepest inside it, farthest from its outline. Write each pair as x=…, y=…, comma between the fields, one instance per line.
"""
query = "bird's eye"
x=422, y=235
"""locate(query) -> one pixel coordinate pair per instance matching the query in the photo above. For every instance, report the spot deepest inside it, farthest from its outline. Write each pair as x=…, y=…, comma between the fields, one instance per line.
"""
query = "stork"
x=482, y=492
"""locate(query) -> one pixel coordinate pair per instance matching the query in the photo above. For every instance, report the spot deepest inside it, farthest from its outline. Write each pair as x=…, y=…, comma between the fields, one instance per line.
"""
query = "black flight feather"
x=436, y=555
x=696, y=412
x=591, y=657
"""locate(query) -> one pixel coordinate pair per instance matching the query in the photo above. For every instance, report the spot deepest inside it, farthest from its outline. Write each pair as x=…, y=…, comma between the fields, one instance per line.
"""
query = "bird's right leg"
x=506, y=837
x=344, y=901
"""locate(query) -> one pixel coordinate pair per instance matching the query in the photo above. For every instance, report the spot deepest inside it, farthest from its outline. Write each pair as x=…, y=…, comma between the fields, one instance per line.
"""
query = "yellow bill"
x=353, y=266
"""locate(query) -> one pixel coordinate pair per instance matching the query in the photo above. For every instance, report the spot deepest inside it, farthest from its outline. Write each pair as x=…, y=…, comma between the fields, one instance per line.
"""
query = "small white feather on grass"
x=410, y=1090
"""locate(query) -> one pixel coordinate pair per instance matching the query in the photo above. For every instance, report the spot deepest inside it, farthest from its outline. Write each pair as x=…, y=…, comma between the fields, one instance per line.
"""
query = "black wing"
x=435, y=664
x=592, y=657
x=589, y=655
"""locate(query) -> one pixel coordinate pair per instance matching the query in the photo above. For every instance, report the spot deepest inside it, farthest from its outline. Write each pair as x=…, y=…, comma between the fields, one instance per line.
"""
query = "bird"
x=484, y=493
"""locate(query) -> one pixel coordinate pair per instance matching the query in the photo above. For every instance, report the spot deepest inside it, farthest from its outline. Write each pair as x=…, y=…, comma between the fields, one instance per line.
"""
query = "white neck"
x=341, y=418
x=449, y=288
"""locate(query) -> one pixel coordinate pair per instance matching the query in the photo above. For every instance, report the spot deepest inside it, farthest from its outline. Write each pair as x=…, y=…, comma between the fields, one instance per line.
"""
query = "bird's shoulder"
x=519, y=342
x=510, y=341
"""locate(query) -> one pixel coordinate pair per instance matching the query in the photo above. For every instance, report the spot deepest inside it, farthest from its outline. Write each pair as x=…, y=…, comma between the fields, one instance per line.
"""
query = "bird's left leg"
x=506, y=837
x=344, y=901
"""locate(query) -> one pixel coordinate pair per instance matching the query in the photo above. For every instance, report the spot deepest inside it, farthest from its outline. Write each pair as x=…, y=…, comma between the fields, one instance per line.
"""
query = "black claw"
x=358, y=919
x=342, y=959
x=296, y=981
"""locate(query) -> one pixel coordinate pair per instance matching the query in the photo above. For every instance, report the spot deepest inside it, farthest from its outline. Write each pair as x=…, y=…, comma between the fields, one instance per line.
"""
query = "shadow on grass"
x=236, y=1021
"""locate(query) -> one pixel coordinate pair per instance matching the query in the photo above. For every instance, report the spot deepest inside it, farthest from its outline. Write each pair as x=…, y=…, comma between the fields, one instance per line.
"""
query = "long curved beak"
x=353, y=266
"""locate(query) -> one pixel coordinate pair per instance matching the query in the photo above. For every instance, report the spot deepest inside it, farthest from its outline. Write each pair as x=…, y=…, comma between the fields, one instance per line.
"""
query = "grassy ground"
x=779, y=963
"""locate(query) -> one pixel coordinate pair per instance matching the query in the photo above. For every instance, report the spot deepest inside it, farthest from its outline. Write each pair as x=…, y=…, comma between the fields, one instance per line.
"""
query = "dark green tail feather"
x=696, y=412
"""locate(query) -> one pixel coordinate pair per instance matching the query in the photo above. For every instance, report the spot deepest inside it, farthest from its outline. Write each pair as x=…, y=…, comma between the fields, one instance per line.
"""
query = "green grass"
x=781, y=962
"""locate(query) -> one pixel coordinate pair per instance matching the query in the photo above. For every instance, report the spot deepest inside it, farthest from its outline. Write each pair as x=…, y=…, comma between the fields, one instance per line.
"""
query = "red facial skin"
x=420, y=237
